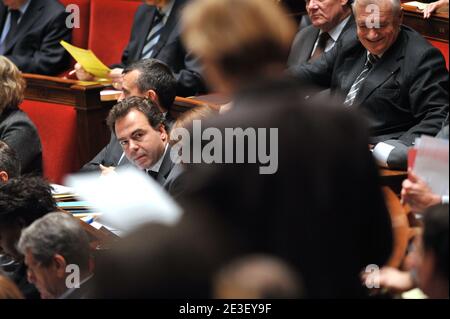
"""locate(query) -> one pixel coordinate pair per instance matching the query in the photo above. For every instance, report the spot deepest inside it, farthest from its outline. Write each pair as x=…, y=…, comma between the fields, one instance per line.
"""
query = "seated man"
x=139, y=127
x=391, y=73
x=30, y=32
x=329, y=18
x=22, y=201
x=9, y=164
x=148, y=78
x=156, y=34
x=56, y=250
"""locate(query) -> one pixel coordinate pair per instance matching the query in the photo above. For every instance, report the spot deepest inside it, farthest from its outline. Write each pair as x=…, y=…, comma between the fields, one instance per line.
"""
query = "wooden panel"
x=434, y=28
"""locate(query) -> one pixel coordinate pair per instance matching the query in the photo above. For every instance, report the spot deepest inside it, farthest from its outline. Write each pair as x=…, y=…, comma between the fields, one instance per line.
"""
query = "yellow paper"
x=88, y=60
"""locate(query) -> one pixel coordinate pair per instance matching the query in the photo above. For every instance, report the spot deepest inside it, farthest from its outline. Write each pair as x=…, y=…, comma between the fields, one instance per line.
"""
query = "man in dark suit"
x=30, y=32
x=147, y=78
x=57, y=253
x=139, y=127
x=156, y=34
x=329, y=18
x=389, y=72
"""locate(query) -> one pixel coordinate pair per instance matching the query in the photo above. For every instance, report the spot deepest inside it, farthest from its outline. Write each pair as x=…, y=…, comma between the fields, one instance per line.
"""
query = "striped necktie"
x=154, y=35
x=13, y=26
x=371, y=60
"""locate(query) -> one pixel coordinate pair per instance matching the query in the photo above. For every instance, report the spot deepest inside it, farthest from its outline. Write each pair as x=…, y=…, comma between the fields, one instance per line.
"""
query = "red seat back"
x=443, y=47
x=56, y=125
x=80, y=36
x=110, y=28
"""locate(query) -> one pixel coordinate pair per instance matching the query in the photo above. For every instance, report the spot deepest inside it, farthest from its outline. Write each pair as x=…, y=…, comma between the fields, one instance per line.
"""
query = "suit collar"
x=31, y=15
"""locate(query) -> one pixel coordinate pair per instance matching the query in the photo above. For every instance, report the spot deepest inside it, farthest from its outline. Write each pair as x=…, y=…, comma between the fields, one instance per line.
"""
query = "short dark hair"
x=435, y=236
x=155, y=75
x=25, y=198
x=147, y=107
x=9, y=162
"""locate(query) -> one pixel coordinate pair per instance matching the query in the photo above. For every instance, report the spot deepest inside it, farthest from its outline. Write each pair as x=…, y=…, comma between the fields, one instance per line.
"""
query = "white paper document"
x=126, y=199
x=431, y=163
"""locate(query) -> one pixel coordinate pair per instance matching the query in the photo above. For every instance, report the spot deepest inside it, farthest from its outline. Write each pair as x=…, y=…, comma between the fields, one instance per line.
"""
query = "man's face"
x=9, y=236
x=13, y=4
x=129, y=86
x=47, y=279
x=325, y=14
x=142, y=144
x=377, y=39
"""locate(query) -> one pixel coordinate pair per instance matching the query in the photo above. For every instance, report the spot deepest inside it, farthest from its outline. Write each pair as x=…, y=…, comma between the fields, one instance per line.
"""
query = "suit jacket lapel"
x=166, y=167
x=354, y=64
x=30, y=16
x=144, y=29
x=383, y=70
x=309, y=45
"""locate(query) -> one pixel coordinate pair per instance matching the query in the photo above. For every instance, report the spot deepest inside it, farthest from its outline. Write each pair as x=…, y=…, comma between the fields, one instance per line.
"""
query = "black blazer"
x=36, y=48
x=405, y=94
x=17, y=130
x=169, y=49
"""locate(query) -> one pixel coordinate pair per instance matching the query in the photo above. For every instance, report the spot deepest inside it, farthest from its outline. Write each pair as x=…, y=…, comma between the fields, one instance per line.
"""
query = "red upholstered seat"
x=110, y=28
x=443, y=47
x=56, y=126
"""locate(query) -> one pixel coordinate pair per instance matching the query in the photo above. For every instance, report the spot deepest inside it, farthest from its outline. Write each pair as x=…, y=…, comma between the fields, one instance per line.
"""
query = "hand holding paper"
x=88, y=60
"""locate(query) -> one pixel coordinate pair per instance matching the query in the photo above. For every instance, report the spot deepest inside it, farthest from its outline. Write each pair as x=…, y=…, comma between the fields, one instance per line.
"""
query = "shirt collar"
x=157, y=165
x=167, y=9
x=337, y=30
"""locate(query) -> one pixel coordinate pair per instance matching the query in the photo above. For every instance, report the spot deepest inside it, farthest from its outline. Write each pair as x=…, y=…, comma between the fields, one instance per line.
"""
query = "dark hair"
x=25, y=198
x=435, y=236
x=155, y=75
x=143, y=105
x=9, y=162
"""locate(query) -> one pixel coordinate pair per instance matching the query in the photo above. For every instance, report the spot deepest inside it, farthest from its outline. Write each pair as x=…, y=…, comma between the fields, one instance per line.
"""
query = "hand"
x=434, y=6
x=116, y=78
x=395, y=281
x=82, y=74
x=418, y=194
x=107, y=170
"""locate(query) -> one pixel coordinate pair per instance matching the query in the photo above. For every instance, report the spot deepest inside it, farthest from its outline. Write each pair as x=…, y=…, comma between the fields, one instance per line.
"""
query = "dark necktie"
x=320, y=47
x=154, y=35
x=153, y=174
x=371, y=60
x=15, y=16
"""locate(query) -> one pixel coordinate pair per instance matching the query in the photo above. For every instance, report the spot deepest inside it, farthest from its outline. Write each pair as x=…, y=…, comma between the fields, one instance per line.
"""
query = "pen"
x=72, y=72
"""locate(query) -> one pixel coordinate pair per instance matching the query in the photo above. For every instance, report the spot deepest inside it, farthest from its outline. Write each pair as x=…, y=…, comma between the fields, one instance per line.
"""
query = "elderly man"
x=329, y=19
x=139, y=127
x=147, y=78
x=56, y=250
x=390, y=73
x=156, y=34
x=30, y=32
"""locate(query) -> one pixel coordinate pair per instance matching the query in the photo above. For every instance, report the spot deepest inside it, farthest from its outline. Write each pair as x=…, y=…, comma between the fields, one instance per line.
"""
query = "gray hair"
x=395, y=4
x=56, y=233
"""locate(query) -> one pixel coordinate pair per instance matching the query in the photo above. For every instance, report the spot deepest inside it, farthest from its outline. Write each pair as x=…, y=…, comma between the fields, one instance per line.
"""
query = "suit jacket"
x=19, y=132
x=304, y=41
x=405, y=94
x=171, y=176
x=36, y=48
x=169, y=49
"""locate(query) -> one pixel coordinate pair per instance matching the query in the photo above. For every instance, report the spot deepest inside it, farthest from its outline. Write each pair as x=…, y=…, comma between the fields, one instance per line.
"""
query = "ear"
x=400, y=15
x=60, y=264
x=3, y=176
x=163, y=133
x=151, y=95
